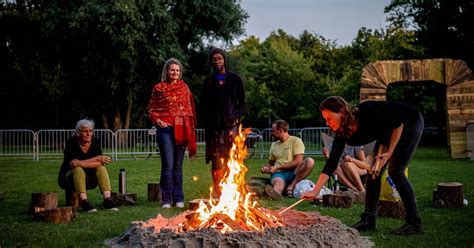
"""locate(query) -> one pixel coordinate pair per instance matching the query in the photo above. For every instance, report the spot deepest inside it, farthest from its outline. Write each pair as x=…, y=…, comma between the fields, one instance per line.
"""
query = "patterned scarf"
x=174, y=103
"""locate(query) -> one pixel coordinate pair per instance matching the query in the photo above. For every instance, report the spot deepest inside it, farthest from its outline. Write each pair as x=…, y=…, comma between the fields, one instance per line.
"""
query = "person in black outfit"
x=83, y=166
x=396, y=126
x=222, y=105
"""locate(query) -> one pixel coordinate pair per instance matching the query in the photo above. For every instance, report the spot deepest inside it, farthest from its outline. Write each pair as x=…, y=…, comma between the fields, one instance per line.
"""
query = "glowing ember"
x=234, y=210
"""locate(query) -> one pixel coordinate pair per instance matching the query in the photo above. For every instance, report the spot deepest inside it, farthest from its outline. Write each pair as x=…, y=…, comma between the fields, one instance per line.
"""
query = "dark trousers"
x=401, y=156
x=172, y=155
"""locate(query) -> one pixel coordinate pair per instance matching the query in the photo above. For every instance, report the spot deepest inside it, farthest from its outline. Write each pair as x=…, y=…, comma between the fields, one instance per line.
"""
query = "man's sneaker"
x=272, y=193
x=87, y=207
x=180, y=204
x=166, y=205
x=110, y=204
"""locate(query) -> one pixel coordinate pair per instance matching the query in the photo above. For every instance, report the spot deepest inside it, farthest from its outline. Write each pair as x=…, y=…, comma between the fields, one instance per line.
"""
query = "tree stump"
x=55, y=215
x=72, y=199
x=448, y=195
x=259, y=181
x=44, y=200
x=357, y=197
x=124, y=199
x=337, y=200
x=154, y=193
x=391, y=209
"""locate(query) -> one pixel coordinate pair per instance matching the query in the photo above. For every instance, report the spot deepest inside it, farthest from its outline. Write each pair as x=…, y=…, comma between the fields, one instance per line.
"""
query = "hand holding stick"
x=378, y=163
x=292, y=206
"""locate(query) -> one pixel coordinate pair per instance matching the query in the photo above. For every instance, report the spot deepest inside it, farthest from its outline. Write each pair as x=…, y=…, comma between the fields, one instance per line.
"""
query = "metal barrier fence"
x=131, y=143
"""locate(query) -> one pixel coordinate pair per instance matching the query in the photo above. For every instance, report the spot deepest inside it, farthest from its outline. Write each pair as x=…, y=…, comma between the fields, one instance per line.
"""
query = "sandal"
x=289, y=192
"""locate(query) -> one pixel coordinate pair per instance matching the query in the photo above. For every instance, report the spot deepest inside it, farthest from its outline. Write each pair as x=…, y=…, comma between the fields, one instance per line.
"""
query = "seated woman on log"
x=83, y=166
x=348, y=173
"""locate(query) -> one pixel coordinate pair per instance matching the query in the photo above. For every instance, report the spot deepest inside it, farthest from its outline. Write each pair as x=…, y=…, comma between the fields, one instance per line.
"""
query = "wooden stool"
x=154, y=193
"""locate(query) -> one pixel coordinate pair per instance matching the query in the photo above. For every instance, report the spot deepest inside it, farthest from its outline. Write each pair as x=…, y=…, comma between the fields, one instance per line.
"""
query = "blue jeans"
x=172, y=155
x=402, y=154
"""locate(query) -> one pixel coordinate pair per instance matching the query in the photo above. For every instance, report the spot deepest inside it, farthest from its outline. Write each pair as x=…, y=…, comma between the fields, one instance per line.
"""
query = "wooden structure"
x=455, y=74
x=448, y=195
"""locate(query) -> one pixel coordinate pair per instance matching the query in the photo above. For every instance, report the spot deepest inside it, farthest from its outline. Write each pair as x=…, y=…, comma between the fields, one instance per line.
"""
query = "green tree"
x=444, y=27
x=109, y=54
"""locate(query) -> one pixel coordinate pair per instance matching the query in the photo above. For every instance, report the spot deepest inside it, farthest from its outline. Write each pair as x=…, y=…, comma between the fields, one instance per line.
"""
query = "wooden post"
x=44, y=200
x=449, y=195
x=72, y=199
x=154, y=193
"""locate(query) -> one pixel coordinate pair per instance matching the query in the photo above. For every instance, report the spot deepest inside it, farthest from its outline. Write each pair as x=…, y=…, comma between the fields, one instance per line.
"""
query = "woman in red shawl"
x=171, y=110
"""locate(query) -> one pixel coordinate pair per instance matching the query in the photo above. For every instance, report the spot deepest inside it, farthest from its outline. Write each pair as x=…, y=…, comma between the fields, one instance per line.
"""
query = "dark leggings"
x=397, y=165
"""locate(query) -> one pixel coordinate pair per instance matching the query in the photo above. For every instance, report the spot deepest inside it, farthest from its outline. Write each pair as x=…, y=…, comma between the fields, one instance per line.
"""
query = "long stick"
x=292, y=206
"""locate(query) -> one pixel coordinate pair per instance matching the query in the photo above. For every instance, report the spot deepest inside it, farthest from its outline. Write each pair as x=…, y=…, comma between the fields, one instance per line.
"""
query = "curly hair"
x=348, y=113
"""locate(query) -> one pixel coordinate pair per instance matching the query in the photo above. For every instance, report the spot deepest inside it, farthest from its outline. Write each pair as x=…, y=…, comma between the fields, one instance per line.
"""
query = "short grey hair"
x=84, y=123
x=168, y=63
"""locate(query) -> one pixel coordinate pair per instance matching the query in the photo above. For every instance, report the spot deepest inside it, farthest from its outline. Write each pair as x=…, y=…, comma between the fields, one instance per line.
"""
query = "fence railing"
x=48, y=144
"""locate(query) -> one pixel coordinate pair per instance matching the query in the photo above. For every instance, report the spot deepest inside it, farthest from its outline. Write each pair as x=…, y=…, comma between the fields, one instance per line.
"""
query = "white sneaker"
x=167, y=205
x=180, y=204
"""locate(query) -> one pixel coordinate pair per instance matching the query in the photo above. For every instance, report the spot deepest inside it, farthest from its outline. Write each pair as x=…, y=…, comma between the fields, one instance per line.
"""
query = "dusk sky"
x=337, y=20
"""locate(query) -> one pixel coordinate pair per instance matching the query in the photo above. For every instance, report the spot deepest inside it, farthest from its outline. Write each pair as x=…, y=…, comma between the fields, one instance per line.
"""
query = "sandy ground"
x=302, y=229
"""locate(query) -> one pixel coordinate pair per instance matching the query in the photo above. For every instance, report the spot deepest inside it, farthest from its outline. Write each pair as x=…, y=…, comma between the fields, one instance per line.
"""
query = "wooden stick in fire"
x=378, y=165
x=292, y=206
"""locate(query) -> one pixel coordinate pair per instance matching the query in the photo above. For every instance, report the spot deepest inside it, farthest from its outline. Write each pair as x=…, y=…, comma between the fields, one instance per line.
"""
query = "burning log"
x=231, y=223
x=265, y=218
x=194, y=204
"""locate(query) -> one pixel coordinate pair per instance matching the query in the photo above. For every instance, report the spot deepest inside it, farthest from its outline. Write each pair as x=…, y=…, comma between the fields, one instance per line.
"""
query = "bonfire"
x=235, y=209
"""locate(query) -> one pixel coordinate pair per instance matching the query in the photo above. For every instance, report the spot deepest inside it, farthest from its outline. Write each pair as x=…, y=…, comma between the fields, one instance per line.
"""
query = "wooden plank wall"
x=455, y=74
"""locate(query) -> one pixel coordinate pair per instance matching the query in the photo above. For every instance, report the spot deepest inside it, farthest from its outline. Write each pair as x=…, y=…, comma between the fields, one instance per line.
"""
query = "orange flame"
x=235, y=201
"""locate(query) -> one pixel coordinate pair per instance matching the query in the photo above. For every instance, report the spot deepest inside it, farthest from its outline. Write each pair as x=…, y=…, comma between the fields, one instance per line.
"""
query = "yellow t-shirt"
x=284, y=152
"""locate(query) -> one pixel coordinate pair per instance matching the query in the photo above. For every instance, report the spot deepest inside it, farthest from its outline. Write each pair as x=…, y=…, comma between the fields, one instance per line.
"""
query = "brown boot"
x=217, y=176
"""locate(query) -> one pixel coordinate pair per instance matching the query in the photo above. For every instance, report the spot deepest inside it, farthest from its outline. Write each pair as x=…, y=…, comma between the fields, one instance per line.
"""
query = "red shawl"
x=173, y=103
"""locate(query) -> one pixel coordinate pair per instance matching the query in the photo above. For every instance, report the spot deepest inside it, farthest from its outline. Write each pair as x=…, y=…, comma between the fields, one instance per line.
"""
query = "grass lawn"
x=20, y=178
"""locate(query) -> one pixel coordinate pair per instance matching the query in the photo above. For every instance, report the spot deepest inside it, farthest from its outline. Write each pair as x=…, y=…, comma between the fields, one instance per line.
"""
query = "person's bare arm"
x=91, y=162
x=396, y=134
x=297, y=161
x=363, y=164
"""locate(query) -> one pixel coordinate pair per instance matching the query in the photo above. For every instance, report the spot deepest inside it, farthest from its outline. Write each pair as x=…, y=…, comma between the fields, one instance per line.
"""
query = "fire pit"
x=236, y=220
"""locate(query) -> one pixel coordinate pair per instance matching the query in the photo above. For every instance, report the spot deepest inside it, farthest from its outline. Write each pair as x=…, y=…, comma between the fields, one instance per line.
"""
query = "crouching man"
x=286, y=164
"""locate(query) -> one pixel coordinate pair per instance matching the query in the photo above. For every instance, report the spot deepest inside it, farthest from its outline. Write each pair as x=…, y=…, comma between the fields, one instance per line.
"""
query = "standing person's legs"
x=166, y=144
x=372, y=195
x=402, y=155
x=178, y=194
x=222, y=143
